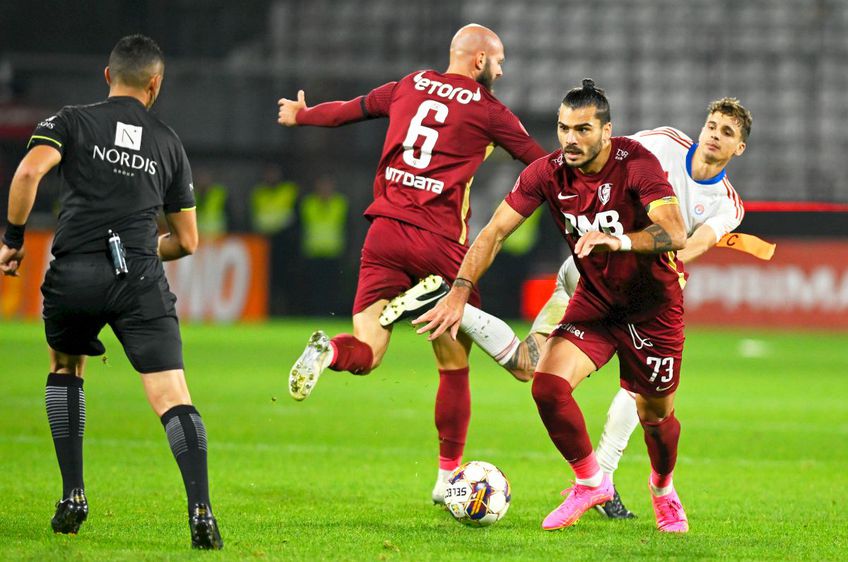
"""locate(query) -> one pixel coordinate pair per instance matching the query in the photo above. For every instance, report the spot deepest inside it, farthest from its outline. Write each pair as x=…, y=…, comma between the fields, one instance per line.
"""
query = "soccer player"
x=119, y=166
x=441, y=128
x=621, y=219
x=711, y=209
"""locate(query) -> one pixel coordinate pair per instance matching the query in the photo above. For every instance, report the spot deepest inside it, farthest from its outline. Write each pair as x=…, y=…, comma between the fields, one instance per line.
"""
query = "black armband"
x=14, y=237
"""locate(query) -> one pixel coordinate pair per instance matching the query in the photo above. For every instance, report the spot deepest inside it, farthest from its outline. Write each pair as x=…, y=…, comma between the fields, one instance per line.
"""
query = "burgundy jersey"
x=622, y=286
x=441, y=128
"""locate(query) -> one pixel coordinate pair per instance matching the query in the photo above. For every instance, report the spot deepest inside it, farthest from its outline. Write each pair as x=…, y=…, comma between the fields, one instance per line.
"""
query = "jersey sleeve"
x=508, y=132
x=180, y=194
x=727, y=218
x=648, y=178
x=53, y=131
x=528, y=192
x=379, y=100
x=375, y=103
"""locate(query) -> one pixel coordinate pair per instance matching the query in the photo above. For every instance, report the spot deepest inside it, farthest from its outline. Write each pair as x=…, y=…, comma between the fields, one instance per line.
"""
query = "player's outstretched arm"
x=288, y=109
x=697, y=245
x=327, y=114
x=182, y=238
x=34, y=166
x=447, y=314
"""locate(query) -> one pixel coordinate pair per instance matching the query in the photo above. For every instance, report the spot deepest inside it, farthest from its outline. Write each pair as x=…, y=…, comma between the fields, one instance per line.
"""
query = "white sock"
x=443, y=475
x=490, y=333
x=662, y=491
x=622, y=420
x=592, y=482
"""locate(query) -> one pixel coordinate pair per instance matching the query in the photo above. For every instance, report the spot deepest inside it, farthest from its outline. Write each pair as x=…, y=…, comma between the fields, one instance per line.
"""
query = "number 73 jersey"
x=441, y=128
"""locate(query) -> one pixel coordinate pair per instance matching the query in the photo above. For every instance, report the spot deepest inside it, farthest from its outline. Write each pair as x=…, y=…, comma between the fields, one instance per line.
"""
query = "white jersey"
x=713, y=202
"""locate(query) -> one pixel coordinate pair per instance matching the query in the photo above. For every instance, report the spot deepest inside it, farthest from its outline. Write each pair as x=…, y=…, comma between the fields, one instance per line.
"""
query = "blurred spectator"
x=324, y=232
x=273, y=213
x=212, y=208
x=272, y=202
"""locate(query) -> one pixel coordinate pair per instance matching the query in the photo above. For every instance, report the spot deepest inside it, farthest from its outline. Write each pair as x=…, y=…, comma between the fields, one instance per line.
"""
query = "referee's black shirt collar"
x=128, y=100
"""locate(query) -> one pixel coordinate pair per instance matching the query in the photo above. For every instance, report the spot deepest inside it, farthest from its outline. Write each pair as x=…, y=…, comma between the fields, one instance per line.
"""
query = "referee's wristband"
x=14, y=237
x=626, y=242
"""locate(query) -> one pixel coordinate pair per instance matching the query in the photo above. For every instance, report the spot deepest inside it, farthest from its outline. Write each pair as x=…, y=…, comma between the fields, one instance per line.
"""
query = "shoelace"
x=670, y=510
x=577, y=489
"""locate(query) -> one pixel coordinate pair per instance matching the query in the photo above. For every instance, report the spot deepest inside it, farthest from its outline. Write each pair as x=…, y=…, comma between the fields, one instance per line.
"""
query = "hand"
x=10, y=260
x=596, y=239
x=289, y=109
x=446, y=315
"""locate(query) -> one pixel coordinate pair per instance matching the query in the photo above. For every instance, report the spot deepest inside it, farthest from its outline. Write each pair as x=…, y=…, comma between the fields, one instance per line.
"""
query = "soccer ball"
x=477, y=494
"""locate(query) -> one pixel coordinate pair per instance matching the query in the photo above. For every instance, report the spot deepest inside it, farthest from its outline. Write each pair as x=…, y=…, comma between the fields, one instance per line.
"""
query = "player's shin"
x=453, y=414
x=566, y=427
x=662, y=438
x=351, y=354
x=65, y=403
x=622, y=420
x=490, y=333
x=187, y=438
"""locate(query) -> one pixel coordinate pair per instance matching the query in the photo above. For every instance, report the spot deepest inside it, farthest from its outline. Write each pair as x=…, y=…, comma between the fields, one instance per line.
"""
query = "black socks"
x=65, y=401
x=187, y=437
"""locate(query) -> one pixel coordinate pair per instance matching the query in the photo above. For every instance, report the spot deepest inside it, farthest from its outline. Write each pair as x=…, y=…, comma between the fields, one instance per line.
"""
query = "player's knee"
x=548, y=391
x=655, y=413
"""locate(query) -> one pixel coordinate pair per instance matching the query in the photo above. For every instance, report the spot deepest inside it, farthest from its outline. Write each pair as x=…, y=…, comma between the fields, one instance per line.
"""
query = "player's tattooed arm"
x=666, y=234
x=661, y=238
x=447, y=314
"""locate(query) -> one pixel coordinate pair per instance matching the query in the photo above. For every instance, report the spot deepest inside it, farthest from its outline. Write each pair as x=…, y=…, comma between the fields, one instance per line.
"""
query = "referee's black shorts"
x=82, y=294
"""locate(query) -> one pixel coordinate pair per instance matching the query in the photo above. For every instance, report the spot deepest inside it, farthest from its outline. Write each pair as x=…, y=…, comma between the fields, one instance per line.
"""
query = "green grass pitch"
x=346, y=475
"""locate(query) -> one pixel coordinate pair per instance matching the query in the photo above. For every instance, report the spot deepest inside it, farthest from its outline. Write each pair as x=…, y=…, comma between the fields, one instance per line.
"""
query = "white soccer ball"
x=478, y=494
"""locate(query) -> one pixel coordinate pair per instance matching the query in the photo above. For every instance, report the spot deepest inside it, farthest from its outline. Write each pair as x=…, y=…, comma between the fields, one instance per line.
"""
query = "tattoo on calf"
x=662, y=240
x=526, y=356
x=533, y=350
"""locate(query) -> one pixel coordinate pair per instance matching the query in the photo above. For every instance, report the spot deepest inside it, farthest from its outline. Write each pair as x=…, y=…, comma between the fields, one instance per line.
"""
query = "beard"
x=590, y=155
x=486, y=79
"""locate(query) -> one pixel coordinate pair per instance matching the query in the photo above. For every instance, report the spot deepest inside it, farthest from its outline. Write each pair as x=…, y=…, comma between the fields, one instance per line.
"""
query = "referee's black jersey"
x=120, y=165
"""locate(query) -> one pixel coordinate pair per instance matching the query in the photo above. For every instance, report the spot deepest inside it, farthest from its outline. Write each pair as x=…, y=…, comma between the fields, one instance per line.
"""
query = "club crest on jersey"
x=604, y=193
x=699, y=209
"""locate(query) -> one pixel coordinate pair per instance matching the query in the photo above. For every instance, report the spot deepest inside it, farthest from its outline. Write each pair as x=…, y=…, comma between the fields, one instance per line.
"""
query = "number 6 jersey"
x=441, y=128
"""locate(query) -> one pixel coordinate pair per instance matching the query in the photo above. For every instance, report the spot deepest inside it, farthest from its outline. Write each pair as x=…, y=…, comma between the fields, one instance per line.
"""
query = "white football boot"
x=315, y=358
x=441, y=486
x=415, y=301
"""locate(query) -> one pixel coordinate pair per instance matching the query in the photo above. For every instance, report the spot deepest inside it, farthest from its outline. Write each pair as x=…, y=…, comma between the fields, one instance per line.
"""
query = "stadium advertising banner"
x=804, y=285
x=225, y=281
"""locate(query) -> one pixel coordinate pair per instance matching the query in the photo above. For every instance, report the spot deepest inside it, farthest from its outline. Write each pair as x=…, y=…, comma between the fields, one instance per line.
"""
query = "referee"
x=118, y=165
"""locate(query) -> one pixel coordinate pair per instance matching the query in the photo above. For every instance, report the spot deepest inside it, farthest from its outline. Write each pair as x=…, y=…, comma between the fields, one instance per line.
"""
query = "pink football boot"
x=578, y=500
x=670, y=515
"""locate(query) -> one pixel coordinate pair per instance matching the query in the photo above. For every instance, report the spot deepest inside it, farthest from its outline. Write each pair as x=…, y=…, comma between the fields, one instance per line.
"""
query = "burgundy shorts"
x=649, y=352
x=396, y=255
